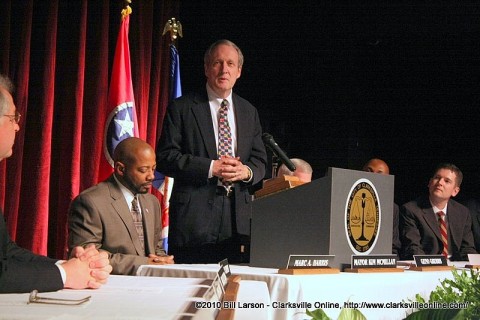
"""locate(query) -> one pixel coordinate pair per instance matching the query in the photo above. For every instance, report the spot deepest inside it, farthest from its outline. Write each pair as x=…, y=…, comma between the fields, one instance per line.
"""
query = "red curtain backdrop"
x=59, y=55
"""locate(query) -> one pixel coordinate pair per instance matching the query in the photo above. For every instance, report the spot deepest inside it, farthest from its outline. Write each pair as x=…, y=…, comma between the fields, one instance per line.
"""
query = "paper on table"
x=474, y=259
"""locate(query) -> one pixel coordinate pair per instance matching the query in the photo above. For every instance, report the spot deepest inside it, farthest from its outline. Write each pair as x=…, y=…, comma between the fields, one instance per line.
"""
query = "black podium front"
x=345, y=213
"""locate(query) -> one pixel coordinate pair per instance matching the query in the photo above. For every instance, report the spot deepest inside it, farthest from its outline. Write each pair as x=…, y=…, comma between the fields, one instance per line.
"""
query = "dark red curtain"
x=59, y=55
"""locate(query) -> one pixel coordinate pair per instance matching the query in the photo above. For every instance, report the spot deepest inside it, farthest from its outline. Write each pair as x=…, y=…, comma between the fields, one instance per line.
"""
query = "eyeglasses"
x=35, y=298
x=14, y=117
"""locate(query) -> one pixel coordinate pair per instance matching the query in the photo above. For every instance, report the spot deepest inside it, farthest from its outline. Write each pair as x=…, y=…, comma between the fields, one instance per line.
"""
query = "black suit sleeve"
x=257, y=160
x=410, y=234
x=22, y=271
x=179, y=153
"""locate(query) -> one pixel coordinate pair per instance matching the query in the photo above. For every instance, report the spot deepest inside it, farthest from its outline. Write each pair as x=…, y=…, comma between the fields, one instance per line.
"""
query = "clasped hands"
x=230, y=169
x=162, y=259
x=89, y=268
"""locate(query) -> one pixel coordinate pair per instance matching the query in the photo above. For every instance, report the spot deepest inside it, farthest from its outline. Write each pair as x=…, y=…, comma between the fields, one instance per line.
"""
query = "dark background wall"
x=337, y=84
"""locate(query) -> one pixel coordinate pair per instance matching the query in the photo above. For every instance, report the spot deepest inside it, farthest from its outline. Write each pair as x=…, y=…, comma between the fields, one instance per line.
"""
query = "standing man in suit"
x=21, y=270
x=210, y=204
x=379, y=166
x=419, y=219
x=102, y=215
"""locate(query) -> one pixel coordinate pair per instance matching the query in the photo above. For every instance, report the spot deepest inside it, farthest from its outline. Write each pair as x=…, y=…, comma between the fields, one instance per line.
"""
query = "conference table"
x=137, y=297
x=291, y=295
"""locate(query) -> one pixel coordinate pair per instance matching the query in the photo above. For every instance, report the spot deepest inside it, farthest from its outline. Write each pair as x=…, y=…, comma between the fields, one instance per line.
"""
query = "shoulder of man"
x=457, y=206
x=237, y=100
x=418, y=203
x=97, y=189
x=189, y=99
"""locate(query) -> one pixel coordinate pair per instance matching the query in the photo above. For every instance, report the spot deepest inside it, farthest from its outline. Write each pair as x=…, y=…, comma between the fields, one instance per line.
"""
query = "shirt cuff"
x=250, y=175
x=62, y=270
x=210, y=171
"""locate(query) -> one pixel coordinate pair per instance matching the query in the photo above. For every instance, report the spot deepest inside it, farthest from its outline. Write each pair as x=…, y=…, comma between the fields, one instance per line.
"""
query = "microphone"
x=272, y=145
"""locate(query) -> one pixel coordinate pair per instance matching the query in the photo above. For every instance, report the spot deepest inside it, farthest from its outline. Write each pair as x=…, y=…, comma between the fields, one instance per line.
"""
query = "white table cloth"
x=127, y=297
x=339, y=288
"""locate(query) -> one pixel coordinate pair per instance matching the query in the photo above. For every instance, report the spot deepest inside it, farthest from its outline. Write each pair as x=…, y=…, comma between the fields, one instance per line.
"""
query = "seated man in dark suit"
x=421, y=221
x=21, y=270
x=379, y=166
x=474, y=206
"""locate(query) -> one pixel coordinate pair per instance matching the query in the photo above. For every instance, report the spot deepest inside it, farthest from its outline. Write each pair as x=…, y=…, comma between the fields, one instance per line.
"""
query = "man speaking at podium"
x=212, y=146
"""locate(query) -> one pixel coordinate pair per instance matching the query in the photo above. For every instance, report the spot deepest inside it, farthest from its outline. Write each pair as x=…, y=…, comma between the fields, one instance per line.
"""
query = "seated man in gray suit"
x=119, y=215
x=421, y=219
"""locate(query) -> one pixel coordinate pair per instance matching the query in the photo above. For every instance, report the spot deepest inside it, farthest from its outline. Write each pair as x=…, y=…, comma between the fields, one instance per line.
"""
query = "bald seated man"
x=119, y=215
x=376, y=166
x=303, y=170
x=379, y=166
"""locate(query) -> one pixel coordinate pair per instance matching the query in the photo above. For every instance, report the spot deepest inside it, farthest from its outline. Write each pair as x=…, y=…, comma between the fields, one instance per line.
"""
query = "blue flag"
x=163, y=183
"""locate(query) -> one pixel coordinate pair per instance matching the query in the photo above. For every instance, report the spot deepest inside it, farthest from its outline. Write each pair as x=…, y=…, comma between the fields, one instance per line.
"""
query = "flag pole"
x=174, y=27
x=121, y=120
x=126, y=9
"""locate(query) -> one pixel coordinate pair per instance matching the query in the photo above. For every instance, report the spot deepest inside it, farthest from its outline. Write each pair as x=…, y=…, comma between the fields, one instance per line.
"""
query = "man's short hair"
x=208, y=53
x=6, y=84
x=454, y=169
x=300, y=164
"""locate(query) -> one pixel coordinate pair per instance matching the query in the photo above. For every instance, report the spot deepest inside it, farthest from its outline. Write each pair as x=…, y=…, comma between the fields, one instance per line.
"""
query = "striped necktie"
x=443, y=232
x=137, y=220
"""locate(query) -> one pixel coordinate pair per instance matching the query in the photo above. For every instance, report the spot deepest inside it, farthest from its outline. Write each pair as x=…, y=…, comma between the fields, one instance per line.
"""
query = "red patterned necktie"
x=224, y=134
x=443, y=232
x=137, y=220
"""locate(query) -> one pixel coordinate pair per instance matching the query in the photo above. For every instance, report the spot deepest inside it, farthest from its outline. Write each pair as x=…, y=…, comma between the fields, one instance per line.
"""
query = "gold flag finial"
x=174, y=27
x=126, y=10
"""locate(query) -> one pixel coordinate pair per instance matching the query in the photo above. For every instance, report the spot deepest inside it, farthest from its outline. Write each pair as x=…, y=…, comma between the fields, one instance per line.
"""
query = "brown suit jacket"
x=100, y=215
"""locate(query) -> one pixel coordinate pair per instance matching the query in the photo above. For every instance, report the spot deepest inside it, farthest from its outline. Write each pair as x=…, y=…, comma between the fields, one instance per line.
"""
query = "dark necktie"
x=443, y=232
x=224, y=135
x=137, y=220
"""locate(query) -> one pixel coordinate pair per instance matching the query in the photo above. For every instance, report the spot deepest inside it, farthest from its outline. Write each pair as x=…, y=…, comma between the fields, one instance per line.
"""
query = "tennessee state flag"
x=122, y=120
x=163, y=183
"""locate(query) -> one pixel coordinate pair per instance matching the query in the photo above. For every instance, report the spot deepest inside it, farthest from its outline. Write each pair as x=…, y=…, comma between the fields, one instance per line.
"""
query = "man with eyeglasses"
x=21, y=270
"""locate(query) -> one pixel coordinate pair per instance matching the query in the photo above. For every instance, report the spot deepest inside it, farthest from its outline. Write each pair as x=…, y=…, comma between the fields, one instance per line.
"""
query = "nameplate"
x=224, y=272
x=374, y=261
x=309, y=262
x=215, y=292
x=430, y=260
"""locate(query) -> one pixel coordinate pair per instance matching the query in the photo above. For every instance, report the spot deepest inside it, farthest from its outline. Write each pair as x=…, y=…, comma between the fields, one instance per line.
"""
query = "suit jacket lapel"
x=432, y=221
x=203, y=117
x=121, y=207
x=242, y=123
x=148, y=224
x=455, y=226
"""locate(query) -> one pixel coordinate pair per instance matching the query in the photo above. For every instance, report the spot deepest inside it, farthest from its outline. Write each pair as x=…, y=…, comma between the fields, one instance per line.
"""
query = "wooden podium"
x=278, y=184
x=321, y=218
